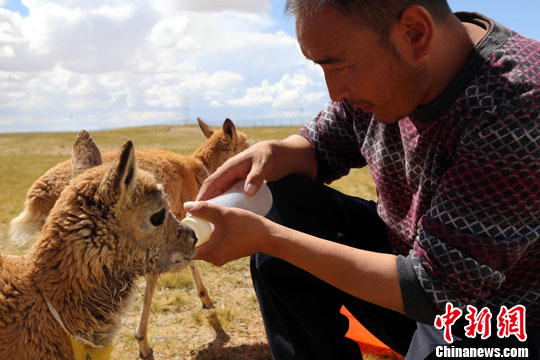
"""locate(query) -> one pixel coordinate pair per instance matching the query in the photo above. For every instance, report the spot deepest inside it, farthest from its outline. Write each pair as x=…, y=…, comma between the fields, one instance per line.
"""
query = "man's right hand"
x=268, y=160
x=252, y=164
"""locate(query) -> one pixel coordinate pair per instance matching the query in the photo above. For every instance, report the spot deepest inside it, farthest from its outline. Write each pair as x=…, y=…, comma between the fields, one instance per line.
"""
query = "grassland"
x=179, y=328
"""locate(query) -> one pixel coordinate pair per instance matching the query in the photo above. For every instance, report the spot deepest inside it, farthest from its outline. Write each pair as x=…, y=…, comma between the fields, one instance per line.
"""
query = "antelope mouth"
x=180, y=258
x=183, y=260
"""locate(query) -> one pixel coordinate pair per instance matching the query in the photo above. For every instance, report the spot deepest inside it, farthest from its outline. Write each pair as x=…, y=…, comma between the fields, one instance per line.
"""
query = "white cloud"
x=117, y=13
x=101, y=62
x=167, y=91
x=7, y=51
x=170, y=33
x=289, y=91
x=249, y=6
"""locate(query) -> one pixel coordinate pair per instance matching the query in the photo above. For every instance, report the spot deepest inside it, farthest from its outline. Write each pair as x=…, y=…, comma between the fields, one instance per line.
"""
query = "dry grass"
x=179, y=328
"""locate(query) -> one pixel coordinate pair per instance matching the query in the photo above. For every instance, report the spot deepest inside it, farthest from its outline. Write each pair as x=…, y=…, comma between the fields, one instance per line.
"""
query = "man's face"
x=358, y=66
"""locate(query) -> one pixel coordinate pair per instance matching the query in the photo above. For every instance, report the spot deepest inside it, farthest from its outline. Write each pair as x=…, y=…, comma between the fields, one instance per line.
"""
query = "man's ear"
x=84, y=154
x=119, y=181
x=416, y=24
x=207, y=130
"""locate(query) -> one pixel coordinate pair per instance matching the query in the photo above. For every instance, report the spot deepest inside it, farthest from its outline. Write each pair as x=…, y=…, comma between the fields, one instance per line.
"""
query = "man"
x=444, y=109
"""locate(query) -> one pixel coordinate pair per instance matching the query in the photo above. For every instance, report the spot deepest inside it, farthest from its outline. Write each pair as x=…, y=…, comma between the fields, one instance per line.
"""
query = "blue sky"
x=519, y=15
x=67, y=65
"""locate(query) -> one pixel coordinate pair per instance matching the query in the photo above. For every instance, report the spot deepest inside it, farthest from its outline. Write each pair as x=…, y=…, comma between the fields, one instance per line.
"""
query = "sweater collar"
x=495, y=37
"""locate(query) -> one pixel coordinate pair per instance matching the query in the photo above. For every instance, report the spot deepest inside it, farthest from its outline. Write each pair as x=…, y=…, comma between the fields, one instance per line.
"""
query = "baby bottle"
x=235, y=197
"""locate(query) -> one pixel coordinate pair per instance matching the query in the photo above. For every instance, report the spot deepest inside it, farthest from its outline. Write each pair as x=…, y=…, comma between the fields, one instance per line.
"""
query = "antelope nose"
x=191, y=233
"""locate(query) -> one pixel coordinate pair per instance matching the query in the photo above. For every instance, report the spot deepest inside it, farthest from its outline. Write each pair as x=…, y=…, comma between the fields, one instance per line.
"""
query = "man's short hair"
x=377, y=15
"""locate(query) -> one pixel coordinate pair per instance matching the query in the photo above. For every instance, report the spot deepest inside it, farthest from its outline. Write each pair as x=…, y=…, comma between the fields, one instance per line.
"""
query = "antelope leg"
x=202, y=292
x=145, y=351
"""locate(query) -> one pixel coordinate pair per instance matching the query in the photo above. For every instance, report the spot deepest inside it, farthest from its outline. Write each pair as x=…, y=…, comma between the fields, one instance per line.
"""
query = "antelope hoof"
x=210, y=306
x=150, y=356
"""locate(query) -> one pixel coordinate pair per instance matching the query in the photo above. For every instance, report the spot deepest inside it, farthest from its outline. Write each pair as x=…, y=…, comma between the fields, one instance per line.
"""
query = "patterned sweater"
x=458, y=180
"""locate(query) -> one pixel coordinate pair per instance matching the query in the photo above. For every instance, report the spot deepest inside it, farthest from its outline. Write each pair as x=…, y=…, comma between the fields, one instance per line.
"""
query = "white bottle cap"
x=202, y=228
x=260, y=204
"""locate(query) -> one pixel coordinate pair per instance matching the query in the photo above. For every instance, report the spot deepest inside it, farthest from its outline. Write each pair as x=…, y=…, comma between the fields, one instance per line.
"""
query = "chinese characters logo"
x=509, y=322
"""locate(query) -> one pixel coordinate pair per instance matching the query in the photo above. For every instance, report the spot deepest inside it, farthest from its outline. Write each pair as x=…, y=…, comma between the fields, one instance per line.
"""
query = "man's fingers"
x=219, y=182
x=204, y=209
x=211, y=187
x=253, y=184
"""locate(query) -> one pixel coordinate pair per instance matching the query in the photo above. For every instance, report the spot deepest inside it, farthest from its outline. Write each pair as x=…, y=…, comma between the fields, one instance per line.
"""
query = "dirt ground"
x=180, y=329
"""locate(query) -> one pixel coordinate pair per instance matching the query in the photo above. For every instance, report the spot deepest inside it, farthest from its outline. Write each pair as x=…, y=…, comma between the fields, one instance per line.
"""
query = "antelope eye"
x=158, y=218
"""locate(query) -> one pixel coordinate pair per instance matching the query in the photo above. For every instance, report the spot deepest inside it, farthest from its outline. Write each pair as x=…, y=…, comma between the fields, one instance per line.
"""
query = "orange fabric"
x=359, y=333
x=365, y=340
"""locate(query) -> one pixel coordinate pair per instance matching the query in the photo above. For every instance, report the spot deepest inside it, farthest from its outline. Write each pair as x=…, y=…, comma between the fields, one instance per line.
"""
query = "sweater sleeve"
x=416, y=302
x=337, y=134
x=484, y=218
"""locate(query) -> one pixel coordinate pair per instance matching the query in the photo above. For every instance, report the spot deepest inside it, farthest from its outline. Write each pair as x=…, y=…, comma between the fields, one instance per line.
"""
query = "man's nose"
x=337, y=89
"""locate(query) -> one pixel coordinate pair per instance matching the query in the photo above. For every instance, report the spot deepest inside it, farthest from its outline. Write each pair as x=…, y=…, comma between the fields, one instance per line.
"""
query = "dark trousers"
x=300, y=312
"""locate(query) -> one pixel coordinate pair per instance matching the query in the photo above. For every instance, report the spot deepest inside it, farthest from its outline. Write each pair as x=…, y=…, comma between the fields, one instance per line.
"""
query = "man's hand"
x=266, y=160
x=367, y=275
x=253, y=164
x=237, y=232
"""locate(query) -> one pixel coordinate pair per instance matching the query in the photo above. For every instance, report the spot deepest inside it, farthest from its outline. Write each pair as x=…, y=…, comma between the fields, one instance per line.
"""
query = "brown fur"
x=181, y=175
x=98, y=239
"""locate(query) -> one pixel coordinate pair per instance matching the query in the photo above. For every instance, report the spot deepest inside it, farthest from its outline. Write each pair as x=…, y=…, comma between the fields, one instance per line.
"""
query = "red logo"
x=509, y=322
x=446, y=321
x=512, y=322
x=479, y=322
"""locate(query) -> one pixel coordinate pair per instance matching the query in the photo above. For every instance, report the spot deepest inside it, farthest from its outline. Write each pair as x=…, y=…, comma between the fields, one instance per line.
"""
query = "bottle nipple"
x=202, y=228
x=260, y=204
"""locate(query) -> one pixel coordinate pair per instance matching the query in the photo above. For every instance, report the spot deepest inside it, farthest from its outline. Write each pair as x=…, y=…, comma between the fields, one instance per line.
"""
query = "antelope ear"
x=229, y=129
x=207, y=130
x=119, y=181
x=84, y=154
